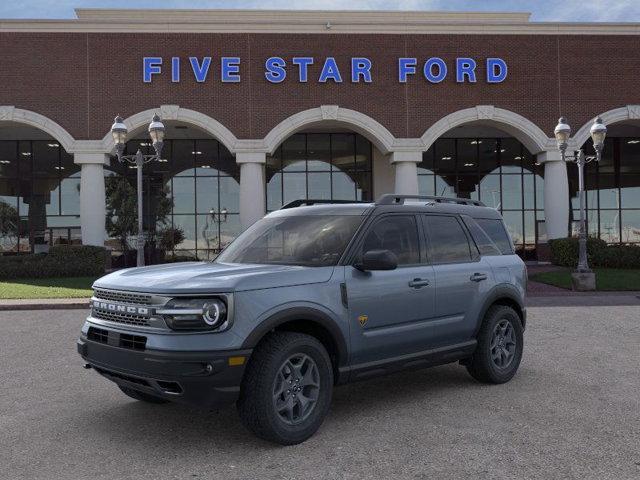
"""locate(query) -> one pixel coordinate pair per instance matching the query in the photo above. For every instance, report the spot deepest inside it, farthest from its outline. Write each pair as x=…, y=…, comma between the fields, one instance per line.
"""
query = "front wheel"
x=500, y=344
x=286, y=391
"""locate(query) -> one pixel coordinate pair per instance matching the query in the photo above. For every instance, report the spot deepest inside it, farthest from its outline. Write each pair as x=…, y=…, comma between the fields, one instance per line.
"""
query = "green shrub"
x=61, y=261
x=620, y=256
x=564, y=252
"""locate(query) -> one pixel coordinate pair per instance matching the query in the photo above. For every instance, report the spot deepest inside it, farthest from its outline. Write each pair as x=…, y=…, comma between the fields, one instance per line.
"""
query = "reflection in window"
x=447, y=241
x=328, y=166
x=198, y=180
x=499, y=172
x=398, y=234
x=39, y=196
x=612, y=192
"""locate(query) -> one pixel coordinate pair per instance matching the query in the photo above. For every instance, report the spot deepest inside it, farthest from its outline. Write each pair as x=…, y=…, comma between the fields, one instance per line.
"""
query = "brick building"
x=264, y=107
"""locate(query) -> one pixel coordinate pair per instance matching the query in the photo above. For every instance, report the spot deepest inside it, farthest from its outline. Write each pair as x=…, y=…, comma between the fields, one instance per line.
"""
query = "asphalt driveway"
x=573, y=411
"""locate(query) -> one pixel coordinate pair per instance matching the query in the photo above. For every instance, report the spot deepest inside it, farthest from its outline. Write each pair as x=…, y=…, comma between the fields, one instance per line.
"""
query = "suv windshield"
x=306, y=240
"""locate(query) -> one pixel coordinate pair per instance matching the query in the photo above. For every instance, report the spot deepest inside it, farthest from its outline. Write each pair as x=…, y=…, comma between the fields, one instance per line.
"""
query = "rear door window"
x=448, y=243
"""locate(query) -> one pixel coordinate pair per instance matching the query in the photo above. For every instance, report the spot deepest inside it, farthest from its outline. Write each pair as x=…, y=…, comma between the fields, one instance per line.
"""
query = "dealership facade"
x=265, y=107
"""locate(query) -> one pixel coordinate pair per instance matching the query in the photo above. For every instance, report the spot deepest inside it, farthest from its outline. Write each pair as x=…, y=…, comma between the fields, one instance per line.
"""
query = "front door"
x=390, y=311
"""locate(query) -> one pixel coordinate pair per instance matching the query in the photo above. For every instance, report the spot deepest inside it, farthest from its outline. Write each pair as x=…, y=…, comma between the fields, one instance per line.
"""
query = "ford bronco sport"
x=313, y=295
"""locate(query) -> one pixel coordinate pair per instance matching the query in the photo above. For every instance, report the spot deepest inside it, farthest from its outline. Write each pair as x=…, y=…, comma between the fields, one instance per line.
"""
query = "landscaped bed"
x=71, y=287
x=607, y=279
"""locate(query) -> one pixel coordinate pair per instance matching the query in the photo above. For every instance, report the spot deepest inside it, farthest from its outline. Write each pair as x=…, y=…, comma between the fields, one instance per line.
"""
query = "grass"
x=72, y=287
x=607, y=279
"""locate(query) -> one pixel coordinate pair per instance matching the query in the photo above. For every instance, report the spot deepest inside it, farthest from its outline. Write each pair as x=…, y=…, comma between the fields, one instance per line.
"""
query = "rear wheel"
x=286, y=391
x=142, y=396
x=500, y=344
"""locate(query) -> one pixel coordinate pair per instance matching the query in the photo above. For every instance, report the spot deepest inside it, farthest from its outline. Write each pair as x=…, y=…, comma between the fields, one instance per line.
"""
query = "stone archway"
x=617, y=115
x=360, y=123
x=177, y=113
x=9, y=113
x=527, y=132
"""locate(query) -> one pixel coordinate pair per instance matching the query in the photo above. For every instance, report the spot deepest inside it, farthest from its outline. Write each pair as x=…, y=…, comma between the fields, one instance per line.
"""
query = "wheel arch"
x=306, y=320
x=506, y=295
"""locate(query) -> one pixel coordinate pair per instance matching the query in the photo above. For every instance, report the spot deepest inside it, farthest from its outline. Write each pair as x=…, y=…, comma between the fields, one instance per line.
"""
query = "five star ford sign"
x=361, y=69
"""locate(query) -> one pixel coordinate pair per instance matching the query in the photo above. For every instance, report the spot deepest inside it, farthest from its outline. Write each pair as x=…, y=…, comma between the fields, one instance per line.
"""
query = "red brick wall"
x=82, y=80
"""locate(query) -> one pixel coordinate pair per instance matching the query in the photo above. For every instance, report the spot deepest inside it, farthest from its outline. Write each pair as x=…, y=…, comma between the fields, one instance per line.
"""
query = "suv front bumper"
x=202, y=379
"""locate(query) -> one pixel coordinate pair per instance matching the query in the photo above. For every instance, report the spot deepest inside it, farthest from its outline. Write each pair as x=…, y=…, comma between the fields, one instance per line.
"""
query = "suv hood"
x=208, y=277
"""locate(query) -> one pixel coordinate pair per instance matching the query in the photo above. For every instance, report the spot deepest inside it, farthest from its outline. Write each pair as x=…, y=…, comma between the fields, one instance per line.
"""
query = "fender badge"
x=362, y=319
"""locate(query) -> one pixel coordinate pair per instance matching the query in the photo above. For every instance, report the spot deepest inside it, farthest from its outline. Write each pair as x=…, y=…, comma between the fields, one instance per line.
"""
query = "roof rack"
x=392, y=199
x=308, y=201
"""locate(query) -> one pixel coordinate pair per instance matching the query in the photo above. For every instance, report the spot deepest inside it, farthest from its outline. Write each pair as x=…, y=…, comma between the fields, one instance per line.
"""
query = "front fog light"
x=194, y=314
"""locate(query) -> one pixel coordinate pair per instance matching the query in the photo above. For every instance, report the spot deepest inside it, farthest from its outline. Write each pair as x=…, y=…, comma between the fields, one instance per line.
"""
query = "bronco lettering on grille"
x=116, y=308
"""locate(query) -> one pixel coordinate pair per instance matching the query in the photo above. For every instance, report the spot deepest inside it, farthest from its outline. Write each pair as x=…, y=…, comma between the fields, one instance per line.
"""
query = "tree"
x=122, y=210
x=9, y=223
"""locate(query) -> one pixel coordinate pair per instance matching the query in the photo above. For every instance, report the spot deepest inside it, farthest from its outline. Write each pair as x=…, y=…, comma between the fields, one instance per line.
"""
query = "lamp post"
x=156, y=132
x=217, y=219
x=583, y=278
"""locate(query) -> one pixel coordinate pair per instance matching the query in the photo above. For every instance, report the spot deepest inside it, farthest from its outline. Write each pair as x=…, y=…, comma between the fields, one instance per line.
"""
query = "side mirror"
x=377, y=260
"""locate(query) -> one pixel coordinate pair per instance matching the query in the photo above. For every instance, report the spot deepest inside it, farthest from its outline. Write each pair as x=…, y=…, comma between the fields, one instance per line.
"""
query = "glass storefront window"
x=630, y=223
x=612, y=191
x=39, y=196
x=499, y=172
x=331, y=166
x=194, y=189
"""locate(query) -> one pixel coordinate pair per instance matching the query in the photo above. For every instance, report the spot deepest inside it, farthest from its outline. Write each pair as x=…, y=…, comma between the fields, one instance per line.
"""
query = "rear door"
x=390, y=311
x=462, y=277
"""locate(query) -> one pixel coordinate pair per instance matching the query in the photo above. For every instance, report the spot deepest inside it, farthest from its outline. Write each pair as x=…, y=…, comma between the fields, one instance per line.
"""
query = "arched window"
x=39, y=195
x=191, y=197
x=612, y=188
x=499, y=172
x=332, y=166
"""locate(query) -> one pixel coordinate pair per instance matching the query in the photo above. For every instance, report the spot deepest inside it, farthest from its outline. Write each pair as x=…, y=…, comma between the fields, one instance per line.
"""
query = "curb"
x=10, y=306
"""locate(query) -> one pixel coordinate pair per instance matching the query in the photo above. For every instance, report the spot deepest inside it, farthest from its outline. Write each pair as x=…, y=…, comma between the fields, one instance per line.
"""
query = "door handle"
x=418, y=283
x=478, y=277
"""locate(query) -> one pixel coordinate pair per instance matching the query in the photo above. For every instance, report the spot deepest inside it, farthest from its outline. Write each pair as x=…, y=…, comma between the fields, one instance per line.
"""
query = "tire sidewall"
x=302, y=431
x=501, y=375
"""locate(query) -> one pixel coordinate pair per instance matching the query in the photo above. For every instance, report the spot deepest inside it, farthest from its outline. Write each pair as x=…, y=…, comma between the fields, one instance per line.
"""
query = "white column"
x=252, y=187
x=556, y=194
x=92, y=198
x=406, y=166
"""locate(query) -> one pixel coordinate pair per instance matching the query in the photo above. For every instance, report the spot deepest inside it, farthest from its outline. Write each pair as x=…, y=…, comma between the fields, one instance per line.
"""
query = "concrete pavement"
x=571, y=412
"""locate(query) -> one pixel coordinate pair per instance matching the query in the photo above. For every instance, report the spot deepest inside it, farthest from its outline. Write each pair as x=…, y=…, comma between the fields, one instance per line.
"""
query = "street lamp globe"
x=156, y=132
x=562, y=133
x=598, y=133
x=119, y=133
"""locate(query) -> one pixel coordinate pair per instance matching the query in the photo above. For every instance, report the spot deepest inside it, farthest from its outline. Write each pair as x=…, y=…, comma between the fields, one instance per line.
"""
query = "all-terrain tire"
x=495, y=360
x=269, y=388
x=142, y=396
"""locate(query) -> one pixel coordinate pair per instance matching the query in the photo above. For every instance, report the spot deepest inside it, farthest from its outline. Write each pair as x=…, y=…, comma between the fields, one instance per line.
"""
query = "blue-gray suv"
x=313, y=295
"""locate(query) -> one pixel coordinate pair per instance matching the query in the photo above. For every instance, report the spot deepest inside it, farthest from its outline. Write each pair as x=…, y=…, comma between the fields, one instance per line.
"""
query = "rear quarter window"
x=485, y=245
x=494, y=228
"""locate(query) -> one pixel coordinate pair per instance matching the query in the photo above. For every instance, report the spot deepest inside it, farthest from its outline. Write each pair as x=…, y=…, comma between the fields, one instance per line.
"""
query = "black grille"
x=123, y=297
x=98, y=335
x=121, y=317
x=134, y=342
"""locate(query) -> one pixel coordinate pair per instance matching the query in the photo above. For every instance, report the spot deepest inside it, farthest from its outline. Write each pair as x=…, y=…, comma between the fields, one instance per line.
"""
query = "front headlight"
x=195, y=314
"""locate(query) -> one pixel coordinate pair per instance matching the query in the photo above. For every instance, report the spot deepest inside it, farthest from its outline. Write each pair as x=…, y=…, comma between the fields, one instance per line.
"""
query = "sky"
x=542, y=10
